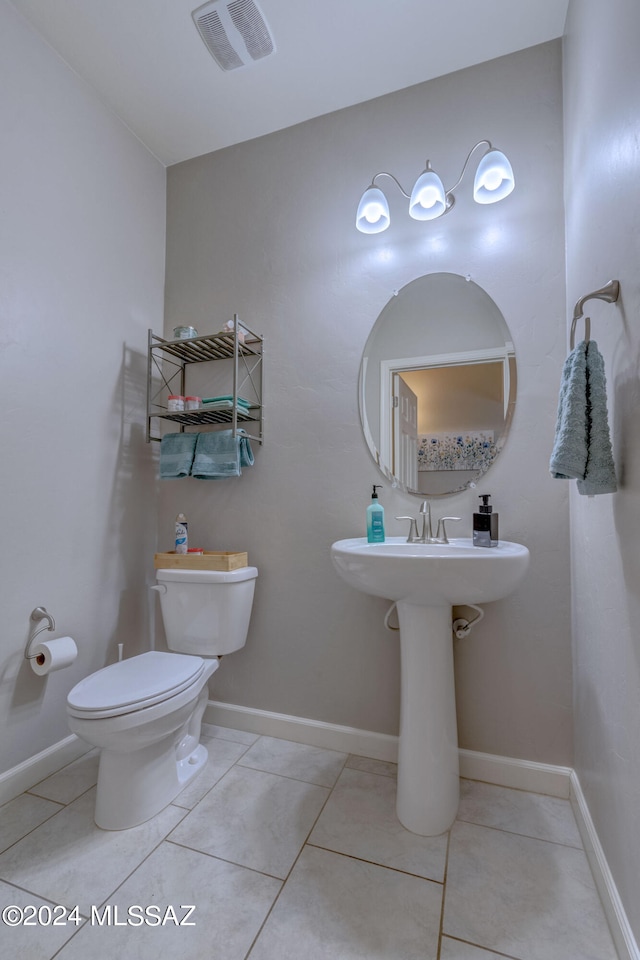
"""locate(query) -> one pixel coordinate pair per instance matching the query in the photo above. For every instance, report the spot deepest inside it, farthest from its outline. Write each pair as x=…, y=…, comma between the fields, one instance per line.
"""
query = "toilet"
x=145, y=713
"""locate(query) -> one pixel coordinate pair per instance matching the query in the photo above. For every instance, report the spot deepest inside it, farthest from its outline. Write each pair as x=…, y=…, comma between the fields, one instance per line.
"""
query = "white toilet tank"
x=206, y=612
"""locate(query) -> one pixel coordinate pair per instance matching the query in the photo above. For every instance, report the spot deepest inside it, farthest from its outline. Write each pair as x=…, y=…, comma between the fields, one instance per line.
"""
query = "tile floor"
x=290, y=852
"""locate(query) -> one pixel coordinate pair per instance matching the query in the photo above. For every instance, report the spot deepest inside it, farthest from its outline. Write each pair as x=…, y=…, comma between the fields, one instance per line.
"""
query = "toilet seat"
x=132, y=685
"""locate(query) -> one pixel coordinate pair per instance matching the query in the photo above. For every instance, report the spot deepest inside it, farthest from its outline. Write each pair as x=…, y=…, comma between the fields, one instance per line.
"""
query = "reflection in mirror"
x=437, y=385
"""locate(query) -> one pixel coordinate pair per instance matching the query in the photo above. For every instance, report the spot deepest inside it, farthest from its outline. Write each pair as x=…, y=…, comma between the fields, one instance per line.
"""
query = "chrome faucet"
x=427, y=530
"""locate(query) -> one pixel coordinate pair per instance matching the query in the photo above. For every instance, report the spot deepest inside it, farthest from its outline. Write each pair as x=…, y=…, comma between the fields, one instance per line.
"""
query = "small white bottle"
x=182, y=539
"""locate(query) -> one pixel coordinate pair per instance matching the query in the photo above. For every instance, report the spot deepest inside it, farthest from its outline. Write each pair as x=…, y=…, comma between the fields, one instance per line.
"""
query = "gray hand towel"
x=176, y=455
x=600, y=473
x=220, y=454
x=217, y=455
x=582, y=448
x=569, y=456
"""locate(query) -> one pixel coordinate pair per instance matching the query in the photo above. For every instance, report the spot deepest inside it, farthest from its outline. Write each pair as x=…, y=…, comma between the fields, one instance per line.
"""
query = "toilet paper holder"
x=40, y=613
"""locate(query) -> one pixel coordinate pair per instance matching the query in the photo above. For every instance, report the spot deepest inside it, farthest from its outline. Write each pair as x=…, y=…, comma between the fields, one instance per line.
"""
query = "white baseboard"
x=504, y=771
x=43, y=764
x=519, y=774
x=624, y=939
x=316, y=733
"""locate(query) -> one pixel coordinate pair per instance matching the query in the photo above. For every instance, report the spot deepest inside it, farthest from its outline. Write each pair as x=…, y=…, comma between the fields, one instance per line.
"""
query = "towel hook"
x=609, y=293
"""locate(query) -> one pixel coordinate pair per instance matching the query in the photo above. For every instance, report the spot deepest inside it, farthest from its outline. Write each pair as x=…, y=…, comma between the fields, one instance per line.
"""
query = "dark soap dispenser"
x=485, y=524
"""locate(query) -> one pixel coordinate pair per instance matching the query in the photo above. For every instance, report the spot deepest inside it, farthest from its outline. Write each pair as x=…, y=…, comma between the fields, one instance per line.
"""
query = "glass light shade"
x=373, y=211
x=494, y=178
x=427, y=197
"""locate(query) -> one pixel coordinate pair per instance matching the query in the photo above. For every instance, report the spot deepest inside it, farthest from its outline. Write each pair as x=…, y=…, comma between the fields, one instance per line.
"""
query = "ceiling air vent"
x=234, y=31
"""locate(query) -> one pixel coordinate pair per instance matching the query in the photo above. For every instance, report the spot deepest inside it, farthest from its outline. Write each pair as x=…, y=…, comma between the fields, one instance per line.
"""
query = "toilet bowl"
x=145, y=713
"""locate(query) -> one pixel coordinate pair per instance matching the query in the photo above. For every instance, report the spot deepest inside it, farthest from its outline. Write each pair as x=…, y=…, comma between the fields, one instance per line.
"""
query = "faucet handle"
x=413, y=529
x=441, y=535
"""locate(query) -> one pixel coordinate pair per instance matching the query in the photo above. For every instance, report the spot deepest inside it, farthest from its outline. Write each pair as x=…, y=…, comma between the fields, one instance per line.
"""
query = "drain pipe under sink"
x=461, y=627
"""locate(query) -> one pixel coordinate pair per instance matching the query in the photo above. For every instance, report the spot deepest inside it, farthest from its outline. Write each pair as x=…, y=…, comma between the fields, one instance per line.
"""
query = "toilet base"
x=153, y=778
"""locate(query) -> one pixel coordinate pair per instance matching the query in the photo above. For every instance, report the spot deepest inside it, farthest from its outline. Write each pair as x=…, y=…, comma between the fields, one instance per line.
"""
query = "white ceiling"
x=148, y=63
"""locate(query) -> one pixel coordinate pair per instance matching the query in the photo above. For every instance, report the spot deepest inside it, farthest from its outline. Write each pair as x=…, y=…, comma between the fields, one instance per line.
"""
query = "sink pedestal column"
x=428, y=766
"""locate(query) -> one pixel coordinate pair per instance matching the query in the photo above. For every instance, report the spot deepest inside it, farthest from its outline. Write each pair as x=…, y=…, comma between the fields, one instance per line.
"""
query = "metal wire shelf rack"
x=167, y=365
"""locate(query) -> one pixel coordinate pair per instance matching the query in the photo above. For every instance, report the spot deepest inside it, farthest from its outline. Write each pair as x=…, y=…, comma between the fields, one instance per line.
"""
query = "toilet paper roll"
x=52, y=655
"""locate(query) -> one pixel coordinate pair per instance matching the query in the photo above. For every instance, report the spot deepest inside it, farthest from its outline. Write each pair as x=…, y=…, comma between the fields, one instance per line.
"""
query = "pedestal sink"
x=426, y=580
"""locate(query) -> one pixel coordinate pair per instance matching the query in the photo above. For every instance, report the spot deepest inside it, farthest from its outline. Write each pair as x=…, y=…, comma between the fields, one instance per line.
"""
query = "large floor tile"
x=20, y=816
x=222, y=756
x=33, y=942
x=527, y=898
x=531, y=814
x=228, y=733
x=456, y=950
x=384, y=767
x=337, y=908
x=71, y=781
x=230, y=902
x=255, y=819
x=296, y=760
x=68, y=860
x=360, y=820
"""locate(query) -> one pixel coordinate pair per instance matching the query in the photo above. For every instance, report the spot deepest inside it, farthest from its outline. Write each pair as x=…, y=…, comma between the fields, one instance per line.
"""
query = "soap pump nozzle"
x=486, y=506
x=376, y=486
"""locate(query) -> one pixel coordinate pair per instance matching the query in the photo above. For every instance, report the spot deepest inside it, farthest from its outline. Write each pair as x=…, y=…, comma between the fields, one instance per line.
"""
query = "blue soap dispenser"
x=375, y=518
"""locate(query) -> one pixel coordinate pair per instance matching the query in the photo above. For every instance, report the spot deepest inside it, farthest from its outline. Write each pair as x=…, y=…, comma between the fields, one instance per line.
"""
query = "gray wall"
x=602, y=118
x=81, y=278
x=267, y=229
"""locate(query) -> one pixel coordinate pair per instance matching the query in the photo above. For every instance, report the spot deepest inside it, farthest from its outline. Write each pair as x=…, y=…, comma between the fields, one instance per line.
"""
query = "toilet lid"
x=135, y=683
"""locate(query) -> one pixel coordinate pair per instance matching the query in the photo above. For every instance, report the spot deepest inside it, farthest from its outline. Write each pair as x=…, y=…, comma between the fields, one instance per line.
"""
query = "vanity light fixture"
x=428, y=200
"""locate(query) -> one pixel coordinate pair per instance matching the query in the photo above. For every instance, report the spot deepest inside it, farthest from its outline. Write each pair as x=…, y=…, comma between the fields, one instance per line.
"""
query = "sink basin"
x=426, y=580
x=431, y=574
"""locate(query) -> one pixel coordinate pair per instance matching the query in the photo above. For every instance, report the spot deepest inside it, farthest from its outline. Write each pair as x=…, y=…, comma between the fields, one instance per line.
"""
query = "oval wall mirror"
x=437, y=385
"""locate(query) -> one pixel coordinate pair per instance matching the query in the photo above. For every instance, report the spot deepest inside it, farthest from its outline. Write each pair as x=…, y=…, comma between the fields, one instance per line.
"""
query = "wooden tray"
x=209, y=560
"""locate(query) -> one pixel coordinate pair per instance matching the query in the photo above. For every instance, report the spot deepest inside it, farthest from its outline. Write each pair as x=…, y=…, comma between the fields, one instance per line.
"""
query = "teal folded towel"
x=227, y=399
x=582, y=448
x=219, y=454
x=176, y=454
